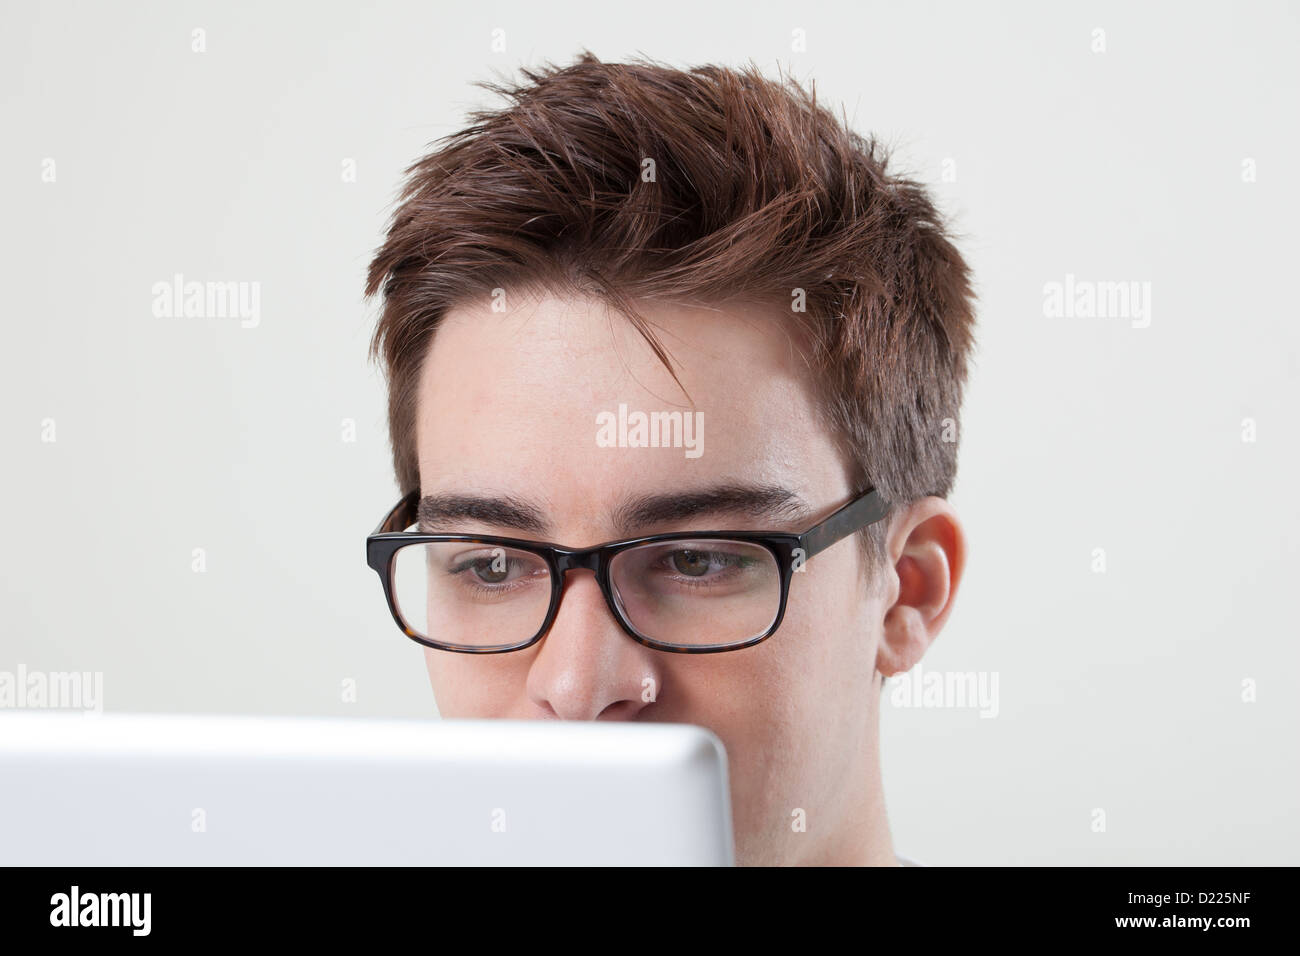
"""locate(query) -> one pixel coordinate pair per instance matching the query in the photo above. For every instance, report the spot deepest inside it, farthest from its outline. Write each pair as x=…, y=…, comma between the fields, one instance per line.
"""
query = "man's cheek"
x=465, y=689
x=763, y=786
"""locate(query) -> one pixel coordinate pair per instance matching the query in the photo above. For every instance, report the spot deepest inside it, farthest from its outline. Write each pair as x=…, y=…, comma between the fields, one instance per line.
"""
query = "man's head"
x=629, y=239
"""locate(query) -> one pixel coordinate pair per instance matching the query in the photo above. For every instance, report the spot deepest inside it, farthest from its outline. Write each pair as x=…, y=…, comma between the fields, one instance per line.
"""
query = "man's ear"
x=927, y=549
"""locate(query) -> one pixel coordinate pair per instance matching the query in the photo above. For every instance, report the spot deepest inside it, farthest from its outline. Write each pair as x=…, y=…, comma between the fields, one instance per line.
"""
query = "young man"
x=640, y=301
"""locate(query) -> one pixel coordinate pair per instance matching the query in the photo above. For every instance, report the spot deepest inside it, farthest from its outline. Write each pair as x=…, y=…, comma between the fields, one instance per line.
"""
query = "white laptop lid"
x=153, y=789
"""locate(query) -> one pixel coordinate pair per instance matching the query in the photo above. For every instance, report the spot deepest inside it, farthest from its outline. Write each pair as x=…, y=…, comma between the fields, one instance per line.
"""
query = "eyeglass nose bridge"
x=588, y=559
x=594, y=560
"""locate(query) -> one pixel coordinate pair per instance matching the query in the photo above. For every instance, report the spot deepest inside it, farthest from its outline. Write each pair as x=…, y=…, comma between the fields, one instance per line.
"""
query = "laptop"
x=114, y=789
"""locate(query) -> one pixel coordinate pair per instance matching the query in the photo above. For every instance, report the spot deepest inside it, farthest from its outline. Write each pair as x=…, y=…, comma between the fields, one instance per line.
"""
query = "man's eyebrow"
x=770, y=502
x=437, y=512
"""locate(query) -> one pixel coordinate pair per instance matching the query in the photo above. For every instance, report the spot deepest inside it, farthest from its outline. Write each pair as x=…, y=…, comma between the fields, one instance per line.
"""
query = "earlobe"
x=905, y=639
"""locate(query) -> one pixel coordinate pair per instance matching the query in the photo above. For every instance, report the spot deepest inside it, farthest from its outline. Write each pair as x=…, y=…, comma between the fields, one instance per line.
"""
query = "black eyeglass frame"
x=384, y=542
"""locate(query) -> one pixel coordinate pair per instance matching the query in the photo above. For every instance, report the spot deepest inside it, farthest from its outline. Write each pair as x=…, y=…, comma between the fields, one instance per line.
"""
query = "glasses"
x=689, y=592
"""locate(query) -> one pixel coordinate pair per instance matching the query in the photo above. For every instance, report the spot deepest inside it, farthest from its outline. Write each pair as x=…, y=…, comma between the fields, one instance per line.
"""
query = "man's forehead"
x=556, y=359
x=537, y=321
x=538, y=399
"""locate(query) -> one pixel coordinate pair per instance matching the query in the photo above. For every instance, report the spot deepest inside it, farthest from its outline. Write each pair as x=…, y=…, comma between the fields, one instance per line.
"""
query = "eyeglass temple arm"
x=854, y=516
x=402, y=516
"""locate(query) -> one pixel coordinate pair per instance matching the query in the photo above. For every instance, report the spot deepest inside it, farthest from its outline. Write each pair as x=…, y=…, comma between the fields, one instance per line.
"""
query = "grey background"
x=1120, y=691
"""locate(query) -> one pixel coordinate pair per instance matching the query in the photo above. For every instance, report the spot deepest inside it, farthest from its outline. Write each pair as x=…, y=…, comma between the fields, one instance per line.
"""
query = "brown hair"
x=754, y=192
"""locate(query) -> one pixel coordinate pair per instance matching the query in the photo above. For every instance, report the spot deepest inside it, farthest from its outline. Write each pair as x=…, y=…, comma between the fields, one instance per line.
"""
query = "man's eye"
x=490, y=572
x=493, y=567
x=691, y=563
x=696, y=564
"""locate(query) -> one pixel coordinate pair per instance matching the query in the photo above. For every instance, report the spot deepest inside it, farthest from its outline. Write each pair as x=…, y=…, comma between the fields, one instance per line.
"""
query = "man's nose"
x=587, y=667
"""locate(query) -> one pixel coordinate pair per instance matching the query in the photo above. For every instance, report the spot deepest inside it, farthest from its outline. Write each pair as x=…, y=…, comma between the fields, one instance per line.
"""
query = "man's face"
x=509, y=406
